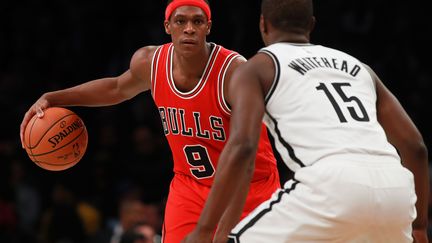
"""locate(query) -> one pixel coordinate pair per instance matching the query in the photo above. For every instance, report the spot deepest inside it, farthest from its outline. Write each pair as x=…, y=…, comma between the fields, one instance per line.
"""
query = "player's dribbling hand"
x=37, y=108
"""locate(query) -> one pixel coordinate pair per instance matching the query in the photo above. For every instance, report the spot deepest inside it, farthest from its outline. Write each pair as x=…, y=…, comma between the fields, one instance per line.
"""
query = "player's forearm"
x=235, y=170
x=232, y=214
x=100, y=92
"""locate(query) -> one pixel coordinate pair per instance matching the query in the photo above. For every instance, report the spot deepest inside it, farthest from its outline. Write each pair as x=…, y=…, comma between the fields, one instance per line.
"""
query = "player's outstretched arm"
x=404, y=135
x=99, y=92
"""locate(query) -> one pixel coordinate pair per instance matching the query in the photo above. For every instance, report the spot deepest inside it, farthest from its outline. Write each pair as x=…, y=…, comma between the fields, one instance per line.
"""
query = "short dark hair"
x=288, y=15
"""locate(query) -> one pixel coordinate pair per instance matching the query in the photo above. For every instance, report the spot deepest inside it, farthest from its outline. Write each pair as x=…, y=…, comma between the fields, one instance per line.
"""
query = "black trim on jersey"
x=235, y=237
x=285, y=143
x=232, y=239
x=276, y=77
x=285, y=173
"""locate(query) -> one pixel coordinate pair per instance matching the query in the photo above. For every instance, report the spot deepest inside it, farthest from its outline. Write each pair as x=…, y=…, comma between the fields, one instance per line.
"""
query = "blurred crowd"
x=116, y=193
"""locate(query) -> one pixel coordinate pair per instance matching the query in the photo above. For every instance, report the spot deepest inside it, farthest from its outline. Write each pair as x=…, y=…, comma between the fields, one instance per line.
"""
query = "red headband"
x=179, y=3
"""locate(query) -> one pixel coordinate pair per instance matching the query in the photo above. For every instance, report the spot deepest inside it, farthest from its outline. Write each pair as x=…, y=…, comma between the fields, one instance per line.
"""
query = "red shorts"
x=186, y=199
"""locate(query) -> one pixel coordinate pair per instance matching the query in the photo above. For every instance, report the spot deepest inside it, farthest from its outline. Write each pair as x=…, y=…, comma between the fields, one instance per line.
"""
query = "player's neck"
x=192, y=65
x=288, y=37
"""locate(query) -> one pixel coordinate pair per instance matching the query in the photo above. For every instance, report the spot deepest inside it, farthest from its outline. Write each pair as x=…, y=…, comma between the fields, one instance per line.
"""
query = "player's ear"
x=167, y=27
x=209, y=25
x=262, y=25
x=312, y=24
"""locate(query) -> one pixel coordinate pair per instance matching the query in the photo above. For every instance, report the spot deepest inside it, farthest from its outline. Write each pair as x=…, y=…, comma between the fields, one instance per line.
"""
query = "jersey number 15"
x=363, y=117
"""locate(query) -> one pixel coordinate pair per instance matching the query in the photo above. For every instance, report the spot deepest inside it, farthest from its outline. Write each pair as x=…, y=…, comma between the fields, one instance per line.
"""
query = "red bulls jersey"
x=196, y=122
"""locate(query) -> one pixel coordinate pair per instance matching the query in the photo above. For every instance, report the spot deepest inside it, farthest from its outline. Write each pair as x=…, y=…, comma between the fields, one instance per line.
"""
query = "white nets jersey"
x=322, y=107
x=348, y=180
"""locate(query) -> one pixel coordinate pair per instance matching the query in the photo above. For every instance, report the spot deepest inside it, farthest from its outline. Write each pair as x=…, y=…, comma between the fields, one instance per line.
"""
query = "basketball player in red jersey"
x=189, y=81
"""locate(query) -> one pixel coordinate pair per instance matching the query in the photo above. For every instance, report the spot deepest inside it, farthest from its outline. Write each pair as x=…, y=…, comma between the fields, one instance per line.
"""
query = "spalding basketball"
x=56, y=141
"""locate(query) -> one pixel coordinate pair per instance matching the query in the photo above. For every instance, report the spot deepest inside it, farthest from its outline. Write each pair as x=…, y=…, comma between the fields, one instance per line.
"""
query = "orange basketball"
x=56, y=141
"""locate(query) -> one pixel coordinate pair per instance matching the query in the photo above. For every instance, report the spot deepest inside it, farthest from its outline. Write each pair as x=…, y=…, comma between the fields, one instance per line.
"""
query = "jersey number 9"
x=198, y=158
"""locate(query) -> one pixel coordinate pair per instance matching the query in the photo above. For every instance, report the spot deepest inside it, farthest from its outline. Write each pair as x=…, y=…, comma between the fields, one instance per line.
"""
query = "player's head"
x=188, y=22
x=172, y=5
x=292, y=17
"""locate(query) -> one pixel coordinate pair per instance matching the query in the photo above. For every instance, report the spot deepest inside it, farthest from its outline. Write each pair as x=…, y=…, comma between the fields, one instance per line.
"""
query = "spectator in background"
x=140, y=233
x=147, y=163
x=131, y=212
x=27, y=199
x=90, y=216
x=8, y=218
x=154, y=216
x=62, y=222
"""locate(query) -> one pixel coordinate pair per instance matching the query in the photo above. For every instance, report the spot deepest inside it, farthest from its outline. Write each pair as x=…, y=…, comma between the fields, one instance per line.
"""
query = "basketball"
x=56, y=141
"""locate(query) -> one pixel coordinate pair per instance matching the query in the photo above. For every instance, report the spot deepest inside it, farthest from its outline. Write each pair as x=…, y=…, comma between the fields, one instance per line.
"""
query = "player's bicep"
x=129, y=85
x=137, y=78
x=247, y=101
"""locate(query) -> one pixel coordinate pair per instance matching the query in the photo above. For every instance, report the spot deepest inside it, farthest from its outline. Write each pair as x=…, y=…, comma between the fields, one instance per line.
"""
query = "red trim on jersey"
x=221, y=82
x=201, y=83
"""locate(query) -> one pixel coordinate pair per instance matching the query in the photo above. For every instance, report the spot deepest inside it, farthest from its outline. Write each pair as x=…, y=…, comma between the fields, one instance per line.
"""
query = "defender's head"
x=286, y=17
